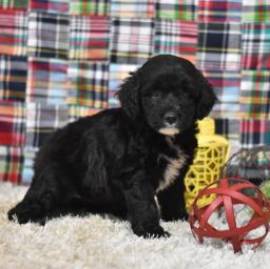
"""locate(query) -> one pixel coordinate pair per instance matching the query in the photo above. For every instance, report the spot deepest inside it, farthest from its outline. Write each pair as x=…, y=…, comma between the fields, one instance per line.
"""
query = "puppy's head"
x=169, y=93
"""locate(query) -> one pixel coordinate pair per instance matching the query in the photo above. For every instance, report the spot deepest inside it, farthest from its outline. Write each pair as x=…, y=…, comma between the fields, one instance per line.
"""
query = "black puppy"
x=128, y=161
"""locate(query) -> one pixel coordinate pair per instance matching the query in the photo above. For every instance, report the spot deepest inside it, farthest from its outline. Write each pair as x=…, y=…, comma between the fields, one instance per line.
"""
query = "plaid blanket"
x=12, y=123
x=48, y=35
x=46, y=81
x=88, y=84
x=13, y=34
x=89, y=38
x=132, y=40
x=256, y=11
x=255, y=45
x=13, y=76
x=219, y=46
x=41, y=120
x=255, y=97
x=65, y=59
x=51, y=6
x=93, y=7
x=177, y=9
x=14, y=4
x=133, y=8
x=176, y=37
x=220, y=10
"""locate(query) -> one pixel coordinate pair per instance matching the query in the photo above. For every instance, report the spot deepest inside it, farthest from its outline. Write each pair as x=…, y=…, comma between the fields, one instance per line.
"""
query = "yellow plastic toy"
x=211, y=156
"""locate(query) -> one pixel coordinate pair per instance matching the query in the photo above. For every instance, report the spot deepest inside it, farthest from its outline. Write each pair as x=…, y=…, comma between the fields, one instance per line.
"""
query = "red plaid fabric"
x=12, y=123
x=220, y=10
x=13, y=34
x=11, y=163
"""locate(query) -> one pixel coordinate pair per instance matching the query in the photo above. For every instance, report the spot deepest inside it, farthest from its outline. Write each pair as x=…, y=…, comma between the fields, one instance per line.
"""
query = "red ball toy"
x=230, y=193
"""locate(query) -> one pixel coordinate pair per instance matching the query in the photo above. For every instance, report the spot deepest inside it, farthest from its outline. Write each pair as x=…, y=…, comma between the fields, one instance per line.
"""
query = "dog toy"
x=222, y=218
x=211, y=156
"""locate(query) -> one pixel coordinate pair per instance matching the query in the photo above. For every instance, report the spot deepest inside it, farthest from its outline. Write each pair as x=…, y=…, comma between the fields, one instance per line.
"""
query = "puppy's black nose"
x=170, y=118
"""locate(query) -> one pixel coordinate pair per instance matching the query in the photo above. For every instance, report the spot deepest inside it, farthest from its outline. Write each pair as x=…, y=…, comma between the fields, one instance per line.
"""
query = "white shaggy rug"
x=101, y=243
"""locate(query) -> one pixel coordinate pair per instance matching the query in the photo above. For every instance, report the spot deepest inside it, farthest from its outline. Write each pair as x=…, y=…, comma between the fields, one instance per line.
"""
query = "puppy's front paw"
x=151, y=232
x=25, y=212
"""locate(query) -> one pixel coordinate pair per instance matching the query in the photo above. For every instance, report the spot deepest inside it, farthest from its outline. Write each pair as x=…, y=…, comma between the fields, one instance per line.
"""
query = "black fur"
x=114, y=161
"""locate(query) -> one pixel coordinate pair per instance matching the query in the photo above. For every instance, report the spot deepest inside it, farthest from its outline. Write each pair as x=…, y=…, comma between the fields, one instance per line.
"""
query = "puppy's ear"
x=207, y=97
x=129, y=96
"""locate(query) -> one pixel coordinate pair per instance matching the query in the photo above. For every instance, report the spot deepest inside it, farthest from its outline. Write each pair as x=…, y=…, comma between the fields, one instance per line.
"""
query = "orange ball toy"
x=230, y=195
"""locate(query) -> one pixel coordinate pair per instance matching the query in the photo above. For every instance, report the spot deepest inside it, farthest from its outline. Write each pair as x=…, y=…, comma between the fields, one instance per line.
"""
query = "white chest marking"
x=172, y=170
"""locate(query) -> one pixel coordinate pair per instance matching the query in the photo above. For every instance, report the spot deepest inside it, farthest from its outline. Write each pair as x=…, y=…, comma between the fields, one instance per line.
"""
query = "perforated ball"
x=239, y=214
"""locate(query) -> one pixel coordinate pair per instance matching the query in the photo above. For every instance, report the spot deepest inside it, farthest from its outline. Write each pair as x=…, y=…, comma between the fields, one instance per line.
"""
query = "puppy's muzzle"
x=170, y=122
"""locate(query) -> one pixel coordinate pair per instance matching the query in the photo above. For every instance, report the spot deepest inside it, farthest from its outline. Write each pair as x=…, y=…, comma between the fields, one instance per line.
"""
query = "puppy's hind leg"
x=44, y=194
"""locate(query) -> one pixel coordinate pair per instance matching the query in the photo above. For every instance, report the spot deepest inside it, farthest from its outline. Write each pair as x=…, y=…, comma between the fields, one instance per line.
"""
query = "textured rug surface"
x=101, y=243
